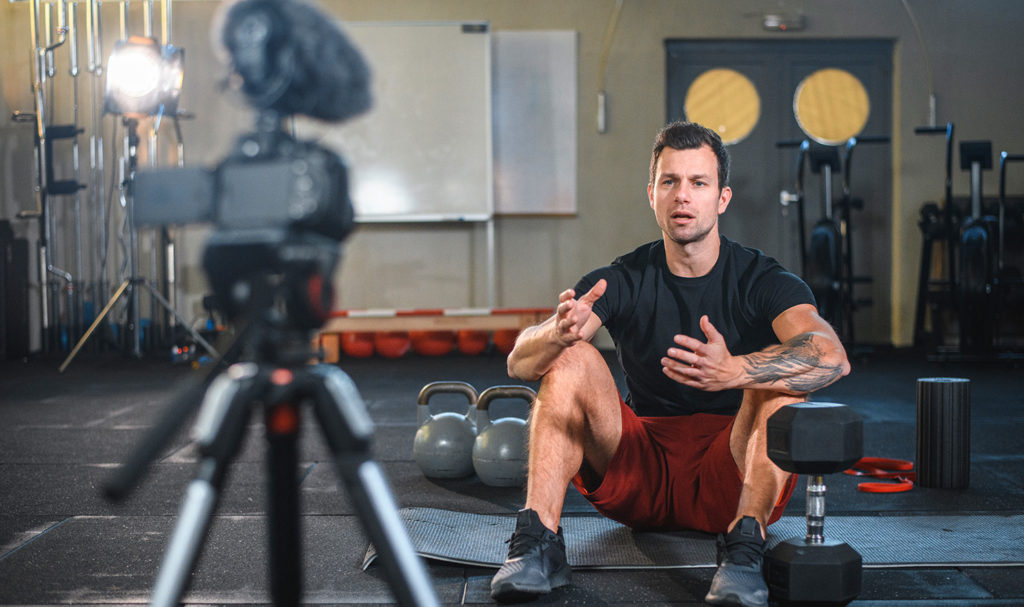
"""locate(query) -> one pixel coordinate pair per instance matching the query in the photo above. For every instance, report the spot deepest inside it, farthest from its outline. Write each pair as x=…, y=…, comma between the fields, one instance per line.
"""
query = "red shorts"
x=673, y=473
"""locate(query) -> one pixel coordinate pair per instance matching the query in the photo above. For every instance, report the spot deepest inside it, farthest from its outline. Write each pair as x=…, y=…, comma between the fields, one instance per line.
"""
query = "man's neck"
x=693, y=259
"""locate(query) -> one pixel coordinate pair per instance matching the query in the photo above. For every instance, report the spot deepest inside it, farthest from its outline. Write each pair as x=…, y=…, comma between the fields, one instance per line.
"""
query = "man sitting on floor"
x=713, y=338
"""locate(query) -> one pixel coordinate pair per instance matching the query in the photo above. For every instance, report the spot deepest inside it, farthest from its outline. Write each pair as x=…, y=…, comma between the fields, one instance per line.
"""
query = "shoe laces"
x=521, y=542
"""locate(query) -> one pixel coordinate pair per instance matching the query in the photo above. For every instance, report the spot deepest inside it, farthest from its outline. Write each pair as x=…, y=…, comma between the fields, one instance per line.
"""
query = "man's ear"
x=723, y=199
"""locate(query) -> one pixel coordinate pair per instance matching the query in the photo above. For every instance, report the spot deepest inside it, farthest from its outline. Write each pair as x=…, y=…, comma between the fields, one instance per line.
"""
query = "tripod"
x=131, y=284
x=278, y=383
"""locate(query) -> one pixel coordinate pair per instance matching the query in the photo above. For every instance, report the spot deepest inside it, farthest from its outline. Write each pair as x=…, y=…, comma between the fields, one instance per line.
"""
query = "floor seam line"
x=35, y=537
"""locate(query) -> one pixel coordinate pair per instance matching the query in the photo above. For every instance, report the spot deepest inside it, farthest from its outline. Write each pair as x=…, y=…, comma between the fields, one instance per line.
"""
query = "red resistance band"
x=899, y=470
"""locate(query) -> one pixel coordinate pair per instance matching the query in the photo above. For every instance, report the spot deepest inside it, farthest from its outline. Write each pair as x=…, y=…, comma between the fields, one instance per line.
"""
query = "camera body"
x=270, y=181
x=280, y=207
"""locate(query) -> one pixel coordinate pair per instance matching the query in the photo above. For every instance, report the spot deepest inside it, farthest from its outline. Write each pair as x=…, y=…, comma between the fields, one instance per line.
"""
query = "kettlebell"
x=499, y=452
x=443, y=447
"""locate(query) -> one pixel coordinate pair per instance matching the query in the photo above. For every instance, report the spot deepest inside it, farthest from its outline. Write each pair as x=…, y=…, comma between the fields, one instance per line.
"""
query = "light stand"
x=131, y=284
x=143, y=79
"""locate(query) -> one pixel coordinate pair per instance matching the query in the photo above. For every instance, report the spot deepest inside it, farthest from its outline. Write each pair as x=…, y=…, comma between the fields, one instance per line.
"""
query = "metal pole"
x=67, y=20
x=815, y=509
x=491, y=264
x=165, y=21
x=132, y=138
x=147, y=18
x=122, y=12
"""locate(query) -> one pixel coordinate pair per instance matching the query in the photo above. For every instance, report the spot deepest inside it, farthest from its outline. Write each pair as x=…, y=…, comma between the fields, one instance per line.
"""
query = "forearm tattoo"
x=799, y=365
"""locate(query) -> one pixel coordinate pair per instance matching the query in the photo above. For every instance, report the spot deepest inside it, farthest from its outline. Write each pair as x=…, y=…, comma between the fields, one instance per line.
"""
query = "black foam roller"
x=943, y=432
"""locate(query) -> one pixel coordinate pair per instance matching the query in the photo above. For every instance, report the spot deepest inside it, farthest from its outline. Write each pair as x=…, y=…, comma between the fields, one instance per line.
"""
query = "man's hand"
x=705, y=366
x=538, y=347
x=572, y=314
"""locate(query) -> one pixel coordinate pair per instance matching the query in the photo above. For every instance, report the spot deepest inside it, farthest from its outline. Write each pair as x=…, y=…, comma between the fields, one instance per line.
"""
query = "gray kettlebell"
x=443, y=447
x=499, y=452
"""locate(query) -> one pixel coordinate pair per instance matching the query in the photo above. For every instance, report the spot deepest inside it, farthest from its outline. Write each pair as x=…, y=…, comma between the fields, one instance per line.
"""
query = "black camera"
x=269, y=183
x=280, y=206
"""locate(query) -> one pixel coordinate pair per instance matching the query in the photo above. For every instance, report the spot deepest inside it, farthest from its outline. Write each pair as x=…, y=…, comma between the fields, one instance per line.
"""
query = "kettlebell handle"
x=494, y=393
x=443, y=387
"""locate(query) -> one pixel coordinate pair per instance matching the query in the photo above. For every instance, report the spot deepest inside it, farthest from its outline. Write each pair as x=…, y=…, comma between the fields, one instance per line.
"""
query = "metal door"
x=761, y=170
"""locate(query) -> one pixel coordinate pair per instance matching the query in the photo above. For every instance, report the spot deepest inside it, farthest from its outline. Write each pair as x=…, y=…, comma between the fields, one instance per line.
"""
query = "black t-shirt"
x=645, y=305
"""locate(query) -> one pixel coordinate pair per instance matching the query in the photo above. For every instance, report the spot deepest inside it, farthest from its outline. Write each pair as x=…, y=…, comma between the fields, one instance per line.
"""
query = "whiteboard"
x=535, y=122
x=423, y=151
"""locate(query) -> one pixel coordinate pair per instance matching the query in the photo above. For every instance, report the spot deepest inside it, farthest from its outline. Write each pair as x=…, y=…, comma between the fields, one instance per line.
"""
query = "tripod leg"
x=181, y=321
x=183, y=549
x=95, y=323
x=348, y=431
x=219, y=431
x=284, y=530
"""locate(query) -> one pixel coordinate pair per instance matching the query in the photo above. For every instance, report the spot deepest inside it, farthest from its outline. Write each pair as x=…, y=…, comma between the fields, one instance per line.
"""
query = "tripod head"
x=277, y=282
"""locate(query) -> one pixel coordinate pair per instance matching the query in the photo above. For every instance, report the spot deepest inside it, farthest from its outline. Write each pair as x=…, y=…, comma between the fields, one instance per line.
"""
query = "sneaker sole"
x=730, y=600
x=510, y=591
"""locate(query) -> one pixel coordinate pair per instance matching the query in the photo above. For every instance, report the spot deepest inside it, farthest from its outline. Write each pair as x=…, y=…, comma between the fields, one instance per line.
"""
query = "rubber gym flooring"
x=62, y=434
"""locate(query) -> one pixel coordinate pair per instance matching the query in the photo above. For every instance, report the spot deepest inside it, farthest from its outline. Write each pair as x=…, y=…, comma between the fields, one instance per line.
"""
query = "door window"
x=723, y=100
x=831, y=105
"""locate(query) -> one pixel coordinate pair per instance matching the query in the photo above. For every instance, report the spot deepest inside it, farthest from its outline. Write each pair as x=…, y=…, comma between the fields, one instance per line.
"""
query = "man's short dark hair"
x=681, y=135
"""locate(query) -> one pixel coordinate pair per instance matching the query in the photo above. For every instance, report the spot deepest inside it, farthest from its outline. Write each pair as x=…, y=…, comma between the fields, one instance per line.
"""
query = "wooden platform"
x=480, y=319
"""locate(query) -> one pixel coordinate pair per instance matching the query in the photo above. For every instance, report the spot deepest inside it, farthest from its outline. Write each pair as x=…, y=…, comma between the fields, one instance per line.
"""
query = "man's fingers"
x=685, y=357
x=681, y=373
x=687, y=342
x=709, y=329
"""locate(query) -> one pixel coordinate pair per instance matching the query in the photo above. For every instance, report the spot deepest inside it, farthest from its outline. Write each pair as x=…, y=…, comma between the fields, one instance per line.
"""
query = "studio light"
x=143, y=78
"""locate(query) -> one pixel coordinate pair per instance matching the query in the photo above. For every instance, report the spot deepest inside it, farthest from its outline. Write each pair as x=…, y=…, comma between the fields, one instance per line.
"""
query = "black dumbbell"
x=814, y=439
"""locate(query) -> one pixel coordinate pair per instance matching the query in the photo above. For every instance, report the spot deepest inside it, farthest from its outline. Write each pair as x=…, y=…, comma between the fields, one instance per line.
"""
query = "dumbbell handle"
x=815, y=509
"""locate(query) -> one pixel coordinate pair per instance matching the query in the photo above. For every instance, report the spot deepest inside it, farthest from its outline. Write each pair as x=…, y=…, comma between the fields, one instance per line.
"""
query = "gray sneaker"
x=536, y=561
x=738, y=580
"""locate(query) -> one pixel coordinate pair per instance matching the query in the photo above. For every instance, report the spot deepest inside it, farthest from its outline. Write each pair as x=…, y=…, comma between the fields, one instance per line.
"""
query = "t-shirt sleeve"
x=778, y=291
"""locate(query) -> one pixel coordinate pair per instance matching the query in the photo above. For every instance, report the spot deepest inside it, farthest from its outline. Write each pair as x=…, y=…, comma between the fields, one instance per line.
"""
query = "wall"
x=975, y=51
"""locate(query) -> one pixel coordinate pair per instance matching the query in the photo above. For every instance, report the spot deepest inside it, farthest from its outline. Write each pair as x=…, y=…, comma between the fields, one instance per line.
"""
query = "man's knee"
x=577, y=364
x=751, y=420
x=577, y=383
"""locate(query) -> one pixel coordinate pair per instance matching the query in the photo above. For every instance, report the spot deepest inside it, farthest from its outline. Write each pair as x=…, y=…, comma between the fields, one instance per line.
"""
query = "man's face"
x=685, y=194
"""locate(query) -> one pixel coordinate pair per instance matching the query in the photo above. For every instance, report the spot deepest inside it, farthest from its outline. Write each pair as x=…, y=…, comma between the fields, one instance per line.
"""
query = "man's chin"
x=687, y=237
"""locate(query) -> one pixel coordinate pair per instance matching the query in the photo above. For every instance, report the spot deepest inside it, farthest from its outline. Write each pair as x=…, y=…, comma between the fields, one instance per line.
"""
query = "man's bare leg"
x=739, y=580
x=575, y=426
x=763, y=481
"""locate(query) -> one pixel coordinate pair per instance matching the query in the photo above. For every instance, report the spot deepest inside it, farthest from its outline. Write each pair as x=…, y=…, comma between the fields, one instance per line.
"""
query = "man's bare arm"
x=809, y=358
x=801, y=365
x=538, y=347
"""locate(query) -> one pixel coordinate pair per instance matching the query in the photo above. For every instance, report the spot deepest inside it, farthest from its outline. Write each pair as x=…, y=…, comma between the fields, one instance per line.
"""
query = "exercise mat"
x=595, y=542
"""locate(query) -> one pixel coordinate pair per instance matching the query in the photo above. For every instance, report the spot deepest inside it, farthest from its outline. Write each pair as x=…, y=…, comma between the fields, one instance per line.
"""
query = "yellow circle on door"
x=831, y=105
x=725, y=101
